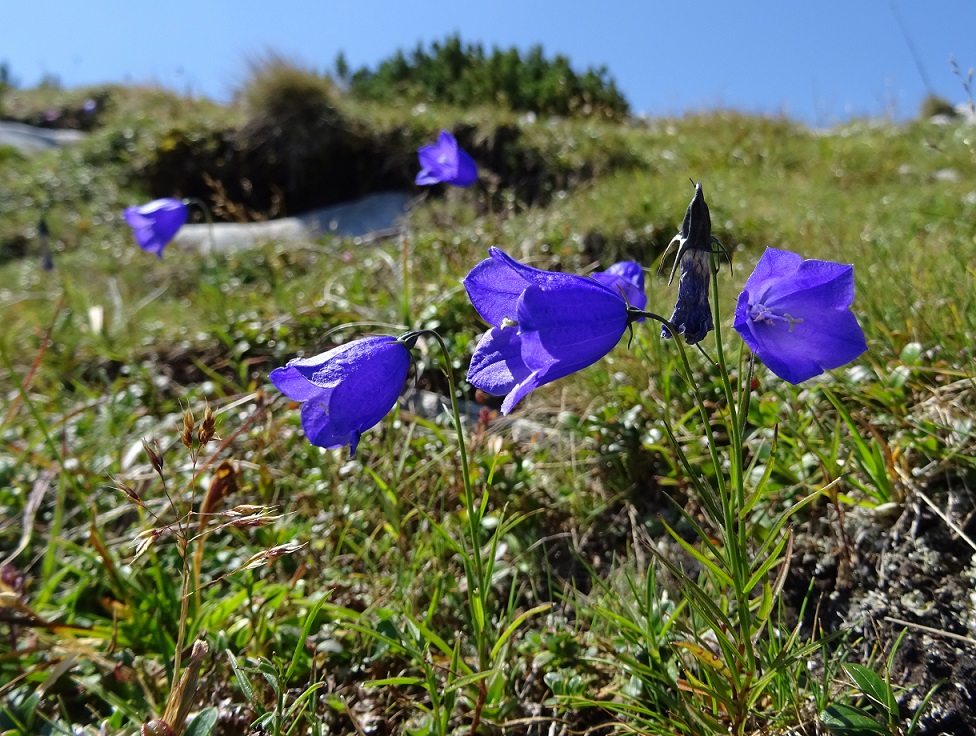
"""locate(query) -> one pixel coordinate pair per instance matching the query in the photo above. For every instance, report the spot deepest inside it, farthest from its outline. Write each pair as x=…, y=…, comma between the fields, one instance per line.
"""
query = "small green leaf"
x=243, y=681
x=705, y=656
x=849, y=721
x=203, y=723
x=515, y=624
x=463, y=682
x=396, y=681
x=270, y=673
x=874, y=687
x=911, y=353
x=723, y=577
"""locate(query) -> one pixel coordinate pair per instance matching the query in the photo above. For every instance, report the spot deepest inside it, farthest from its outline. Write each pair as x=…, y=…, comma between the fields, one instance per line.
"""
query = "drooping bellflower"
x=628, y=278
x=795, y=315
x=692, y=315
x=348, y=389
x=545, y=325
x=156, y=223
x=446, y=162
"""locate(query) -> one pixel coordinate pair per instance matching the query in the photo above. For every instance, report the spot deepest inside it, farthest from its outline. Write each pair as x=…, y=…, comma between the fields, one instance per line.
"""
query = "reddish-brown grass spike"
x=28, y=379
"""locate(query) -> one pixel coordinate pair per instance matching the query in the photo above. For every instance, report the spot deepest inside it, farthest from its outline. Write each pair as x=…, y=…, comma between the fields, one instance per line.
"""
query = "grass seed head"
x=266, y=556
x=155, y=457
x=130, y=492
x=145, y=540
x=186, y=433
x=208, y=427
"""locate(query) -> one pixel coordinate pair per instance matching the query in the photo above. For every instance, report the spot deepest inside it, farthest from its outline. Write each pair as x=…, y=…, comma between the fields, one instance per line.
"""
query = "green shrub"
x=462, y=74
x=5, y=82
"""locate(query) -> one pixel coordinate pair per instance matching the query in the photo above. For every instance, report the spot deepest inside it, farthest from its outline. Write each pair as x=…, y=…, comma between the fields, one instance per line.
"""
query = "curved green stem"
x=405, y=278
x=737, y=532
x=477, y=584
x=730, y=498
x=207, y=216
x=699, y=401
x=735, y=430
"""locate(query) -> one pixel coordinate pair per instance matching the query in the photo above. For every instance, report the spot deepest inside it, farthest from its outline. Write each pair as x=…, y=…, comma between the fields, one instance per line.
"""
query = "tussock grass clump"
x=280, y=92
x=292, y=121
x=934, y=105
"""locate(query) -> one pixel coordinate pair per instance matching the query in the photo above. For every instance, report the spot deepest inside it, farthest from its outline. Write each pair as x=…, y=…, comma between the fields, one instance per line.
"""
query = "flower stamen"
x=762, y=313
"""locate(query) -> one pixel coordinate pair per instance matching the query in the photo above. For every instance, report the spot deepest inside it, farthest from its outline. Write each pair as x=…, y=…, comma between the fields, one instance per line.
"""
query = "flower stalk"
x=478, y=585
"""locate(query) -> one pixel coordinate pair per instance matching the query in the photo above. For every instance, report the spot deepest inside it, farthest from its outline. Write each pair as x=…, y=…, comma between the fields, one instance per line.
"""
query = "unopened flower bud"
x=155, y=458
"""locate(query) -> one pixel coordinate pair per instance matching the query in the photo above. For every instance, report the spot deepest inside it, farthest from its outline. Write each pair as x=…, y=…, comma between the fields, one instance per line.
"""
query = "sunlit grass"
x=113, y=345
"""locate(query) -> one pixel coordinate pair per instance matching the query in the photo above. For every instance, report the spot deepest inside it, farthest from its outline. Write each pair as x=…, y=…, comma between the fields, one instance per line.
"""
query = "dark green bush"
x=462, y=74
x=6, y=82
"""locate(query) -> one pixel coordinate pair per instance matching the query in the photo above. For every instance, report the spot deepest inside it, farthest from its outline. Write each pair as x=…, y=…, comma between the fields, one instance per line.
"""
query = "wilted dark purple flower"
x=44, y=237
x=155, y=224
x=347, y=389
x=445, y=162
x=628, y=278
x=795, y=315
x=692, y=315
x=545, y=325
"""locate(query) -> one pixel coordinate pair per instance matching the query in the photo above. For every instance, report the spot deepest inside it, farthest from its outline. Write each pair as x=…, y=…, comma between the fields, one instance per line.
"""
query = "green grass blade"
x=512, y=627
x=723, y=576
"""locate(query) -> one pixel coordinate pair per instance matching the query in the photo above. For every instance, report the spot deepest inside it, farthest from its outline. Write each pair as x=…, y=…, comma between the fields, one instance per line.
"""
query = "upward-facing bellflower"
x=156, y=223
x=795, y=315
x=446, y=162
x=545, y=325
x=348, y=389
x=692, y=315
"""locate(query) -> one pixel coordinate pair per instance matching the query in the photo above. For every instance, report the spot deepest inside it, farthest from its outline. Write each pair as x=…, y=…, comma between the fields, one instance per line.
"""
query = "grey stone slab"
x=28, y=139
x=373, y=216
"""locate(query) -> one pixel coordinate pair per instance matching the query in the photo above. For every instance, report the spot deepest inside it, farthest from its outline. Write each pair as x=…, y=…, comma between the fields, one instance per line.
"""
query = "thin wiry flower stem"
x=207, y=216
x=477, y=588
x=182, y=544
x=730, y=495
x=747, y=368
x=734, y=426
x=736, y=531
x=405, y=278
x=699, y=401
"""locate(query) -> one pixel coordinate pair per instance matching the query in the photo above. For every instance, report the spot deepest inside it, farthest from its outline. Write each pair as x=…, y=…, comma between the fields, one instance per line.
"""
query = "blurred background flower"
x=628, y=278
x=446, y=162
x=156, y=223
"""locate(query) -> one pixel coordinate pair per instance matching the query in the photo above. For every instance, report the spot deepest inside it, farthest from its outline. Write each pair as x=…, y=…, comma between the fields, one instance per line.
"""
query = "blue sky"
x=819, y=62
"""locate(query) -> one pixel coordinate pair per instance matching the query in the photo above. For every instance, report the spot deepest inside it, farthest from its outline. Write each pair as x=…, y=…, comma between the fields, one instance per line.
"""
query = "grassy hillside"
x=333, y=593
